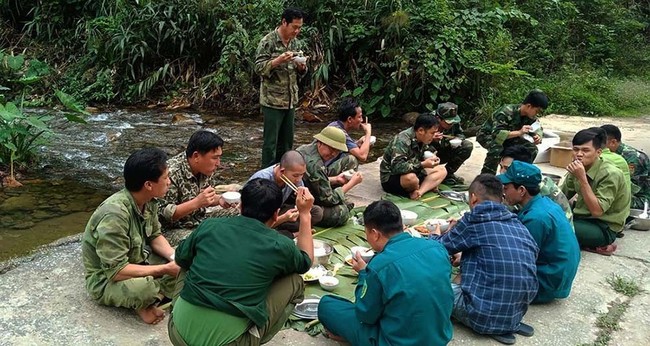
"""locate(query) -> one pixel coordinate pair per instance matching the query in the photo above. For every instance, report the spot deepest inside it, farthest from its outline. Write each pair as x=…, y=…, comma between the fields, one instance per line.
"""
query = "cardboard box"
x=561, y=154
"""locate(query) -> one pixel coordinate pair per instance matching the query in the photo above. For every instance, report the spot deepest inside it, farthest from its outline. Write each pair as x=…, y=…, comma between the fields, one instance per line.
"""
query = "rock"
x=311, y=117
x=410, y=117
x=182, y=119
x=21, y=202
x=92, y=109
x=23, y=225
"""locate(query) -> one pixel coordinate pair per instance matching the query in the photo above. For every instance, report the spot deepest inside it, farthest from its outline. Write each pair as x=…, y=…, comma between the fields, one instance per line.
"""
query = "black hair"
x=260, y=199
x=291, y=13
x=426, y=121
x=536, y=98
x=203, y=142
x=347, y=108
x=383, y=216
x=487, y=187
x=612, y=131
x=597, y=137
x=144, y=165
x=517, y=152
x=533, y=191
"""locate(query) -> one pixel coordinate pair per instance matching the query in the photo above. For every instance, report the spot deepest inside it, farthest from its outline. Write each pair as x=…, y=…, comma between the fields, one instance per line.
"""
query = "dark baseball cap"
x=448, y=112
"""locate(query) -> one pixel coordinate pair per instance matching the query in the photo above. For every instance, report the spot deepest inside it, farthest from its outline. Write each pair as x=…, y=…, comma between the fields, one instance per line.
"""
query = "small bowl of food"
x=300, y=59
x=231, y=197
x=373, y=140
x=348, y=174
x=328, y=283
x=408, y=217
x=431, y=224
x=365, y=252
x=428, y=154
x=455, y=142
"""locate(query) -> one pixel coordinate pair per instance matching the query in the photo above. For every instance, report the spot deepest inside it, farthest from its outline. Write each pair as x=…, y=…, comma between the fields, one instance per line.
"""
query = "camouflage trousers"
x=494, y=152
x=175, y=235
x=454, y=157
x=138, y=293
x=283, y=296
x=335, y=216
x=343, y=163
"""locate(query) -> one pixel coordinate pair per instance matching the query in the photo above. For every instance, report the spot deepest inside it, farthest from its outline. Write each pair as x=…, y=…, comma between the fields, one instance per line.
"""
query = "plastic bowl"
x=231, y=197
x=408, y=217
x=328, y=283
x=456, y=142
x=366, y=253
x=428, y=154
x=300, y=59
x=432, y=223
x=373, y=140
x=348, y=174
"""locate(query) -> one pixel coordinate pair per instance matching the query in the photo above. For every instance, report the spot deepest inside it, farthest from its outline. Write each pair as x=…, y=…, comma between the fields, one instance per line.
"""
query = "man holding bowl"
x=453, y=149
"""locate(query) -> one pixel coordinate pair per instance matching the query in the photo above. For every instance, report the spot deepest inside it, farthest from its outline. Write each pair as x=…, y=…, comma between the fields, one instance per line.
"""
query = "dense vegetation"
x=591, y=56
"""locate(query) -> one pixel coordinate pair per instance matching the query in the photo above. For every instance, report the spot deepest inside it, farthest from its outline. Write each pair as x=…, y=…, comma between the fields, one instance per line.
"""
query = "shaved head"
x=292, y=159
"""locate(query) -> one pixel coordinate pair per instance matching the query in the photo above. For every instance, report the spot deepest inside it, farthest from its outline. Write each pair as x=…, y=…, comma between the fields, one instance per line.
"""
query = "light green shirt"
x=618, y=161
x=608, y=184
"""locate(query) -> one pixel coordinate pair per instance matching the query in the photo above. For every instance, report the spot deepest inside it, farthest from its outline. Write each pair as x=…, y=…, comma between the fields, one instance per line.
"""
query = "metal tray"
x=307, y=309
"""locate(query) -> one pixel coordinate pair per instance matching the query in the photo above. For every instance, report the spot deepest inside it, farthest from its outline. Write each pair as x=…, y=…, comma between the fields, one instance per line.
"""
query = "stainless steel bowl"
x=638, y=223
x=324, y=259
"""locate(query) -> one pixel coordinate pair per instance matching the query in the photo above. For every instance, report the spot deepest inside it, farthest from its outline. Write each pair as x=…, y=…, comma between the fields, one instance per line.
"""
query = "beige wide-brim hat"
x=333, y=137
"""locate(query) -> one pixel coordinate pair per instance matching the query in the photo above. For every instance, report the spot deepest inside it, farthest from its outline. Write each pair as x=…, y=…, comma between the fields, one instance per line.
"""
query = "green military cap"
x=448, y=112
x=522, y=173
x=334, y=137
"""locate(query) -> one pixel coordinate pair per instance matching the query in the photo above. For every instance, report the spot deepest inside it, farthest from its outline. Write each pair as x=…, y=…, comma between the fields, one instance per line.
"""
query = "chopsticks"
x=289, y=183
x=449, y=136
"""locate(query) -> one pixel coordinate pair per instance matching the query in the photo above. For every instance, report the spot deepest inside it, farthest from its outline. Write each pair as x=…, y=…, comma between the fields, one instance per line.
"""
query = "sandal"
x=506, y=339
x=525, y=330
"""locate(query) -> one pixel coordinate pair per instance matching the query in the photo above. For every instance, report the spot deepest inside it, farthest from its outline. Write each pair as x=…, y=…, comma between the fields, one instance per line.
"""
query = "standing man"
x=603, y=201
x=242, y=279
x=329, y=143
x=404, y=171
x=559, y=252
x=193, y=176
x=407, y=277
x=499, y=277
x=638, y=163
x=509, y=125
x=350, y=118
x=292, y=166
x=279, y=73
x=453, y=156
x=128, y=262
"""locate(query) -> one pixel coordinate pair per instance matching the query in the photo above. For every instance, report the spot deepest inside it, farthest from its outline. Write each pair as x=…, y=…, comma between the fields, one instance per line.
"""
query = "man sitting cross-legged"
x=193, y=178
x=403, y=296
x=499, y=276
x=603, y=199
x=128, y=262
x=404, y=170
x=242, y=279
x=559, y=253
x=292, y=167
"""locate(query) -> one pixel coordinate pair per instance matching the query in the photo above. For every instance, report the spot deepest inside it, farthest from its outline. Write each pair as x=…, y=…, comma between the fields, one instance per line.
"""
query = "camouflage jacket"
x=279, y=85
x=639, y=166
x=505, y=119
x=115, y=236
x=184, y=187
x=404, y=154
x=549, y=189
x=316, y=178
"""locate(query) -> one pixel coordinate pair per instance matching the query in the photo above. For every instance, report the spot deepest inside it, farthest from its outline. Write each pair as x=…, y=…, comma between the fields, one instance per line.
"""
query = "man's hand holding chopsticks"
x=304, y=201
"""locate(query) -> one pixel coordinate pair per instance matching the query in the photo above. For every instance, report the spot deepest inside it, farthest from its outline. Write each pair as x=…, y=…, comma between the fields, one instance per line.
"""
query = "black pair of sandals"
x=510, y=339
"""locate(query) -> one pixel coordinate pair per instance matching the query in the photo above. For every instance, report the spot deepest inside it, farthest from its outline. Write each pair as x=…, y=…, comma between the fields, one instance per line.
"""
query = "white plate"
x=413, y=232
x=314, y=273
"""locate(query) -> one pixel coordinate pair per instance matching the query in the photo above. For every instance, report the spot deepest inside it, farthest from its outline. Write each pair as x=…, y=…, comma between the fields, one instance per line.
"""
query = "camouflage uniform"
x=403, y=155
x=278, y=95
x=548, y=188
x=493, y=135
x=453, y=157
x=118, y=234
x=184, y=187
x=335, y=208
x=345, y=161
x=638, y=163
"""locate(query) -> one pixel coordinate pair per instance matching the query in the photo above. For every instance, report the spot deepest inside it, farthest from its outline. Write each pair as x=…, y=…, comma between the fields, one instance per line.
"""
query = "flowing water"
x=83, y=165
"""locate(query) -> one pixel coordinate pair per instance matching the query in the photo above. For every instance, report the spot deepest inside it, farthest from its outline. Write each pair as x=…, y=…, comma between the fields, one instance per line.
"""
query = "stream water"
x=83, y=163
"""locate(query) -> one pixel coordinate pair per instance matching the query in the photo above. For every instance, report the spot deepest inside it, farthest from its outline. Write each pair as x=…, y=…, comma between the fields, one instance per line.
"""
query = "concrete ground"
x=44, y=301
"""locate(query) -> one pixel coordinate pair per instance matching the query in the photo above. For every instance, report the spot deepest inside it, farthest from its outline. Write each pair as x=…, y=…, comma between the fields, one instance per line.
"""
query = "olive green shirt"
x=115, y=236
x=620, y=163
x=608, y=184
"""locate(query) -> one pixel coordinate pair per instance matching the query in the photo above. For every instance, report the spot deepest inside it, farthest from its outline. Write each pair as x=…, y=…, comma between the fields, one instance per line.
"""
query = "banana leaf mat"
x=342, y=238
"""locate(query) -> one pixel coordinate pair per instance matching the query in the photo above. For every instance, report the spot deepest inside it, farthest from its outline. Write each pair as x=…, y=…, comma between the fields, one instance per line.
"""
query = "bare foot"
x=151, y=315
x=415, y=194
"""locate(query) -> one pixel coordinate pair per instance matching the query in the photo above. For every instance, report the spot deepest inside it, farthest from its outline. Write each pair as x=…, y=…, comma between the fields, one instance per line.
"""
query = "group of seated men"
x=247, y=297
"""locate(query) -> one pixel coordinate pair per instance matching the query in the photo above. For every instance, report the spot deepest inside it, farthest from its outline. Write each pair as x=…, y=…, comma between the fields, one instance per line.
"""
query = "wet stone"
x=20, y=202
x=23, y=225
